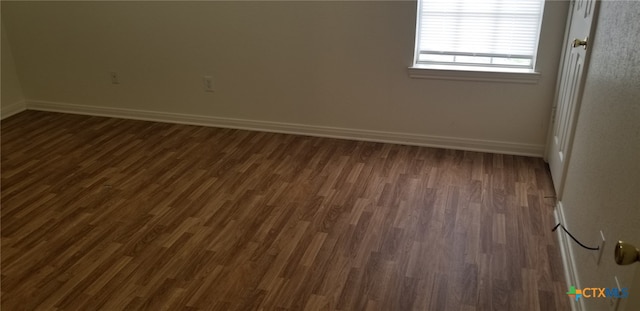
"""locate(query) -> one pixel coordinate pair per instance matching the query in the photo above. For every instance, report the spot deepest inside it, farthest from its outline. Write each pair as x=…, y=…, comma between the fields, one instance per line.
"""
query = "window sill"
x=468, y=73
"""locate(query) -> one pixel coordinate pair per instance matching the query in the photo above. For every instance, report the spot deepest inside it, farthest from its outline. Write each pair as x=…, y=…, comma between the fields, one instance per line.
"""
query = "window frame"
x=474, y=72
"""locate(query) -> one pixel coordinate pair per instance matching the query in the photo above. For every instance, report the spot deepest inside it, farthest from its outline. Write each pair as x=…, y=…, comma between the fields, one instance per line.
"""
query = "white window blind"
x=488, y=33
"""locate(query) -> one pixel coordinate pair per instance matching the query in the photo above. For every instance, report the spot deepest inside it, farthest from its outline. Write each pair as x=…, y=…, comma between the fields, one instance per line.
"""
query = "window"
x=496, y=35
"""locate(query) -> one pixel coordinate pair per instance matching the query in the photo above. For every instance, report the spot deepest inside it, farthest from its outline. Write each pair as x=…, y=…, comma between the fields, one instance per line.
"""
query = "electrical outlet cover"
x=613, y=302
x=601, y=242
x=207, y=82
x=114, y=77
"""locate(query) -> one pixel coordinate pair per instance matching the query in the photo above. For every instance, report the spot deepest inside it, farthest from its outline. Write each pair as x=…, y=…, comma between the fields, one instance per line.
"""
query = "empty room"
x=320, y=155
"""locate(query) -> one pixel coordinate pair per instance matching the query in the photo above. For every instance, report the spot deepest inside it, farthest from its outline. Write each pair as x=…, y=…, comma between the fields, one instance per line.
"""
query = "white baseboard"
x=568, y=259
x=12, y=109
x=293, y=128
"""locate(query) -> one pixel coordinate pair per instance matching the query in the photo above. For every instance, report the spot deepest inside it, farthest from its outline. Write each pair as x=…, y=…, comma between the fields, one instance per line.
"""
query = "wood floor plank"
x=110, y=214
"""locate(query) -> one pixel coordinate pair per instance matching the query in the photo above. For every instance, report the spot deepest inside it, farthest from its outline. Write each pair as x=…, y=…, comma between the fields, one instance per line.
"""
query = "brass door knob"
x=626, y=253
x=579, y=42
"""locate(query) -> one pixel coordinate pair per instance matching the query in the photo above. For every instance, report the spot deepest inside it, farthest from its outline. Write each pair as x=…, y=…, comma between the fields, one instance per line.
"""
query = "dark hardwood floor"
x=110, y=214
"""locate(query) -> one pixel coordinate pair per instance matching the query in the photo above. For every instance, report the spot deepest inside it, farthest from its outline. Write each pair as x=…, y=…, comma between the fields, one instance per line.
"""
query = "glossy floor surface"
x=111, y=214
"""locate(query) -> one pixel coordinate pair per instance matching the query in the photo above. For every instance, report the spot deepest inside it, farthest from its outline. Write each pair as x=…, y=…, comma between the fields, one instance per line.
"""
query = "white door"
x=580, y=26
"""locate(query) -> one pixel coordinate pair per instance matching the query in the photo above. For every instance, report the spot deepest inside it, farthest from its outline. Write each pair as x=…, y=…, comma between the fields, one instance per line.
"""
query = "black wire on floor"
x=571, y=235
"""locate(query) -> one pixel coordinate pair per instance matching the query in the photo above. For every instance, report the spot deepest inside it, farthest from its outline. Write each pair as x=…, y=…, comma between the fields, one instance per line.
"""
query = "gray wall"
x=340, y=64
x=603, y=182
x=11, y=98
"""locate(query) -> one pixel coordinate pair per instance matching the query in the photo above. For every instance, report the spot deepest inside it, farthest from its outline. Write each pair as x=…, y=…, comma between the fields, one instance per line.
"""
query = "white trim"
x=12, y=109
x=568, y=259
x=300, y=129
x=470, y=73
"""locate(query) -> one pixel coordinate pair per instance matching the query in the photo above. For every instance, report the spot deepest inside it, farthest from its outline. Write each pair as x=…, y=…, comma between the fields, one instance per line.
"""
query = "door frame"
x=576, y=111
